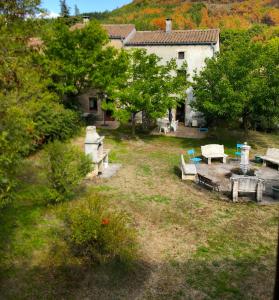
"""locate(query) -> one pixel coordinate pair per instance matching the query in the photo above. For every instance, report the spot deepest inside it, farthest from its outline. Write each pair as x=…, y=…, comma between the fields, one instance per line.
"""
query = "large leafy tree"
x=148, y=86
x=266, y=91
x=29, y=113
x=79, y=58
x=71, y=56
x=13, y=9
x=240, y=84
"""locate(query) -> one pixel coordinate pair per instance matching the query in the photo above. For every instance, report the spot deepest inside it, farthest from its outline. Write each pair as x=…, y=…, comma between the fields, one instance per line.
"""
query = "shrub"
x=14, y=144
x=52, y=121
x=66, y=166
x=97, y=233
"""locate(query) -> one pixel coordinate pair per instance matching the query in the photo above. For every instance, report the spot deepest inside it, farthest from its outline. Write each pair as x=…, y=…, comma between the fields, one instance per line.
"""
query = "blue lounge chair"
x=238, y=150
x=193, y=159
x=203, y=129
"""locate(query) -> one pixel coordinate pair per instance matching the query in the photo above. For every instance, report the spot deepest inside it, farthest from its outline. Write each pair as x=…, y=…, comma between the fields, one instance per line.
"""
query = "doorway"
x=180, y=113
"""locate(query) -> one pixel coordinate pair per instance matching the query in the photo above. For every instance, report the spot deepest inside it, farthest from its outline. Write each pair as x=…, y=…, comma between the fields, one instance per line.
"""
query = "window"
x=181, y=55
x=93, y=103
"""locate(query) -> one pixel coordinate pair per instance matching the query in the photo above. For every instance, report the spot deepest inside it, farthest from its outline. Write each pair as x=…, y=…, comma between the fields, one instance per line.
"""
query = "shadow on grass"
x=243, y=278
x=75, y=281
x=177, y=171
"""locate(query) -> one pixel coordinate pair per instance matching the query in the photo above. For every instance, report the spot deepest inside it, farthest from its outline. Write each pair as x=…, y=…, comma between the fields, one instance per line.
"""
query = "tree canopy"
x=12, y=9
x=148, y=86
x=241, y=84
x=30, y=114
x=78, y=59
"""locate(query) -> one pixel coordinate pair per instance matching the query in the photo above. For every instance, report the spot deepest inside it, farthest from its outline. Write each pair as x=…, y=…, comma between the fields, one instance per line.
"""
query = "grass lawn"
x=193, y=245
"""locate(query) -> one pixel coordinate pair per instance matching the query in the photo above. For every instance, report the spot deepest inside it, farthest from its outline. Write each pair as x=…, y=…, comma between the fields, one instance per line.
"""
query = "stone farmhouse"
x=192, y=46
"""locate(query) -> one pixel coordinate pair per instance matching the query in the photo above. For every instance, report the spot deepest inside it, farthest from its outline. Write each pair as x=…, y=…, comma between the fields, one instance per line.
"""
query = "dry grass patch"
x=192, y=244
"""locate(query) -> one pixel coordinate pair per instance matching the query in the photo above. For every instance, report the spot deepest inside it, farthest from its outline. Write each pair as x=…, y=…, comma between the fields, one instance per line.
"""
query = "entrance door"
x=180, y=113
x=108, y=113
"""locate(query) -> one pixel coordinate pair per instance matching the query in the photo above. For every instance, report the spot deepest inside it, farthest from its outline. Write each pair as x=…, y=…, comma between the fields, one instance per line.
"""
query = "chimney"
x=168, y=25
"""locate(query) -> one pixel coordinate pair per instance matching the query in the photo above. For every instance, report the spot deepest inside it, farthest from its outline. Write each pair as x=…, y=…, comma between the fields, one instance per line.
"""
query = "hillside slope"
x=151, y=14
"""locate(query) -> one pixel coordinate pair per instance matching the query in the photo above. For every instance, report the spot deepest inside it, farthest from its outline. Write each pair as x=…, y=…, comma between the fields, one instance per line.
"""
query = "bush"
x=66, y=166
x=52, y=121
x=14, y=144
x=99, y=234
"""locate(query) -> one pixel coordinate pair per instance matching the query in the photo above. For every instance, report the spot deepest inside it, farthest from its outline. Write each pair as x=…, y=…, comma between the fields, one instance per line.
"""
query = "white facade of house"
x=195, y=56
x=194, y=45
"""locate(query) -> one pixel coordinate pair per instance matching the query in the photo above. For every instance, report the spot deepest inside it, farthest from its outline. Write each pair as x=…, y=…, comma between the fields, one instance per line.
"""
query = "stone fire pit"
x=222, y=173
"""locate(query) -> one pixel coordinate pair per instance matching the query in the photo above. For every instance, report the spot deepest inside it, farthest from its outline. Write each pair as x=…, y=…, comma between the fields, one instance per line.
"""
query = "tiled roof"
x=175, y=37
x=118, y=31
x=115, y=31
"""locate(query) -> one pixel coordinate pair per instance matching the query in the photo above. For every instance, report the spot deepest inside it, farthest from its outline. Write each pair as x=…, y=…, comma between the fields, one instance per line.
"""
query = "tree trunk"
x=146, y=121
x=133, y=124
x=245, y=122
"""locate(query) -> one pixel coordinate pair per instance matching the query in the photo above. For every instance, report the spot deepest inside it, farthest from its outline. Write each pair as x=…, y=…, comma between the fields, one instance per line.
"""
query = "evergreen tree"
x=77, y=12
x=64, y=9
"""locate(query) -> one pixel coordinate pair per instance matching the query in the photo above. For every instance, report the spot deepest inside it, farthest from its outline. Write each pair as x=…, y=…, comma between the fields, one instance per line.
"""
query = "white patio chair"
x=163, y=124
x=174, y=125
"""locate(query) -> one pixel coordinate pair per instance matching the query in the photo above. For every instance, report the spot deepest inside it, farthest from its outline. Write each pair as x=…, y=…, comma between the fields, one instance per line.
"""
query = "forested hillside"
x=151, y=14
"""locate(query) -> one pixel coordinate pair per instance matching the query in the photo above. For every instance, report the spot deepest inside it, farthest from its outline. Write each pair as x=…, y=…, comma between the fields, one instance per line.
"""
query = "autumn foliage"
x=231, y=14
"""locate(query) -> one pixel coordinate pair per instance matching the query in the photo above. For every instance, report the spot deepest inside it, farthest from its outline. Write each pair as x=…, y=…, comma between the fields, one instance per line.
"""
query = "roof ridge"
x=181, y=30
x=118, y=25
x=206, y=29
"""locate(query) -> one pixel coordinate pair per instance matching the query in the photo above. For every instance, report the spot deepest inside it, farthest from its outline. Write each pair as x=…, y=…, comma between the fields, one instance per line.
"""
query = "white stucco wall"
x=195, y=56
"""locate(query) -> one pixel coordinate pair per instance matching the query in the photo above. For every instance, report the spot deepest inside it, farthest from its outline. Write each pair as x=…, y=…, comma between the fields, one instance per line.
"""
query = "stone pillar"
x=234, y=190
x=260, y=189
x=244, y=162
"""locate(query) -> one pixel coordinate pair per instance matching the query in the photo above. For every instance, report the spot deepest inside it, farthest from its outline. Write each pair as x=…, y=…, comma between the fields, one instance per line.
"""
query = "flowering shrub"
x=97, y=233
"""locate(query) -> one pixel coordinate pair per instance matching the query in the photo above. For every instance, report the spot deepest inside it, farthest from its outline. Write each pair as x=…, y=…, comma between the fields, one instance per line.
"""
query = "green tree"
x=79, y=59
x=29, y=113
x=266, y=88
x=72, y=56
x=239, y=85
x=148, y=86
x=13, y=9
x=64, y=9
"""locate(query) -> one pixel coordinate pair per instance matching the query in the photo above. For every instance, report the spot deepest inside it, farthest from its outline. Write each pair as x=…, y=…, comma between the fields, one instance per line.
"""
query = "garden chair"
x=188, y=171
x=203, y=129
x=238, y=150
x=174, y=125
x=193, y=158
x=163, y=124
x=272, y=156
